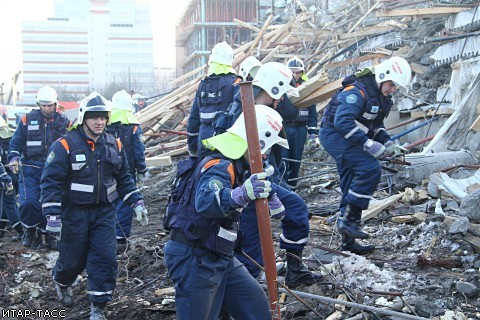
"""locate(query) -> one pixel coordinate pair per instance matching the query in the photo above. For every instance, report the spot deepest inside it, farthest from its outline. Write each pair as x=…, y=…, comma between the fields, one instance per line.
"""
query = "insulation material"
x=440, y=182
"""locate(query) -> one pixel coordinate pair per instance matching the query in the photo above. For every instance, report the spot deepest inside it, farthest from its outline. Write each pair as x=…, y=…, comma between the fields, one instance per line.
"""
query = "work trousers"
x=206, y=282
x=88, y=241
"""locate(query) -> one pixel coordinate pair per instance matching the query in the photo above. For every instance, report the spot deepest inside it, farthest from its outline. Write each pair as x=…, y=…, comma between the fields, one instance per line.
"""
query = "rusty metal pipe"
x=261, y=205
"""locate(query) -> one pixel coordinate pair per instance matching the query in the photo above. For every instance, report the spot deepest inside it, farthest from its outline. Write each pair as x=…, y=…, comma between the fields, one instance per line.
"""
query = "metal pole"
x=396, y=314
x=401, y=134
x=261, y=205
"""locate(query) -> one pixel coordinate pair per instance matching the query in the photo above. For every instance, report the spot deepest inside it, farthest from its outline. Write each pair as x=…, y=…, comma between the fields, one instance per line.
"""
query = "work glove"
x=255, y=187
x=394, y=150
x=313, y=142
x=54, y=225
x=9, y=188
x=277, y=210
x=375, y=148
x=14, y=164
x=141, y=212
x=141, y=177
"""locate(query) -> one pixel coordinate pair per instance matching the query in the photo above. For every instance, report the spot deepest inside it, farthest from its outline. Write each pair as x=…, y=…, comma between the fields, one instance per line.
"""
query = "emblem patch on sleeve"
x=51, y=156
x=351, y=99
x=215, y=184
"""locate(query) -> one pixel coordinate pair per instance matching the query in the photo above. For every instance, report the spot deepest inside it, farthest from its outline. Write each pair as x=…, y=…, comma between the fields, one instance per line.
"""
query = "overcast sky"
x=164, y=18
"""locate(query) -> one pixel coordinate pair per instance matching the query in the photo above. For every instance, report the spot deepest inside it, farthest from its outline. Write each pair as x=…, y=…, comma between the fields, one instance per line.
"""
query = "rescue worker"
x=353, y=133
x=124, y=125
x=85, y=172
x=8, y=198
x=33, y=137
x=271, y=83
x=213, y=96
x=200, y=255
x=298, y=129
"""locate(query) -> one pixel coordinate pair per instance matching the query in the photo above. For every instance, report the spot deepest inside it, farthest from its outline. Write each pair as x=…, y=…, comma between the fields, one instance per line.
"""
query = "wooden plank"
x=375, y=5
x=158, y=161
x=378, y=206
x=420, y=11
x=367, y=57
x=323, y=93
x=246, y=25
x=476, y=124
x=260, y=34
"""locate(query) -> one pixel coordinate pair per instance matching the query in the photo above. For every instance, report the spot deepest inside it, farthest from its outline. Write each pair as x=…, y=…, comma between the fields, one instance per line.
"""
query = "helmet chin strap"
x=91, y=132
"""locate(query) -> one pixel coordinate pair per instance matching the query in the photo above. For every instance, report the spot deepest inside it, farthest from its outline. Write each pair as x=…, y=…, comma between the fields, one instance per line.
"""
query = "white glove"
x=394, y=150
x=141, y=212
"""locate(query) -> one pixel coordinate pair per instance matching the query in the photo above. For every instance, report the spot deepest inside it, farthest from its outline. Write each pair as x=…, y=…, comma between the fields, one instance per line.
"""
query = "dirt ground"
x=417, y=266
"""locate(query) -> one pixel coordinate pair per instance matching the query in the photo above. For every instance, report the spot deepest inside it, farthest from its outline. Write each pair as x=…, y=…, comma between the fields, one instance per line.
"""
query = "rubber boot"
x=29, y=237
x=19, y=228
x=97, y=311
x=3, y=225
x=65, y=295
x=51, y=242
x=349, y=244
x=297, y=274
x=38, y=242
x=349, y=223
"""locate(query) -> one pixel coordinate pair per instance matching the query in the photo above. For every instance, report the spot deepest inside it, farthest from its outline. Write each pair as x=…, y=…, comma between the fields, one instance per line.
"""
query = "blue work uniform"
x=297, y=130
x=295, y=224
x=31, y=141
x=199, y=256
x=8, y=203
x=213, y=96
x=354, y=115
x=131, y=137
x=80, y=182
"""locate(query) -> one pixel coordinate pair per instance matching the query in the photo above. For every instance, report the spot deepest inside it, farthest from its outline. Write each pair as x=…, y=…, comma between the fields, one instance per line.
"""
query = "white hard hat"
x=94, y=103
x=269, y=125
x=249, y=66
x=222, y=53
x=275, y=79
x=395, y=69
x=122, y=100
x=233, y=143
x=47, y=95
x=296, y=64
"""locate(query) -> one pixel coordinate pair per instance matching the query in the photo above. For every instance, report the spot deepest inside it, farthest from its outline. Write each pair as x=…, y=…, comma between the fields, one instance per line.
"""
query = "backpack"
x=187, y=170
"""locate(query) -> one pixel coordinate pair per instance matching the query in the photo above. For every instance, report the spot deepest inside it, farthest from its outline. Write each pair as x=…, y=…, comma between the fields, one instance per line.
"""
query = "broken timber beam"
x=421, y=11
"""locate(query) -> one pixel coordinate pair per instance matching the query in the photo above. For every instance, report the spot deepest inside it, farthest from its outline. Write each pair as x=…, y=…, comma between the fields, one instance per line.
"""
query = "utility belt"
x=295, y=124
x=178, y=236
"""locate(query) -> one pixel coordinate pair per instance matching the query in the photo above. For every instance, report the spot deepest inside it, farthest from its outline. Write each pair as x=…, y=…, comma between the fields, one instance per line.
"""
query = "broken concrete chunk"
x=460, y=225
x=469, y=289
x=469, y=207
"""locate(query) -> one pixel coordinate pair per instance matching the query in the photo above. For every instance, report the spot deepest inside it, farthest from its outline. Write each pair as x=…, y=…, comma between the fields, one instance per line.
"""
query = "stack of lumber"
x=330, y=49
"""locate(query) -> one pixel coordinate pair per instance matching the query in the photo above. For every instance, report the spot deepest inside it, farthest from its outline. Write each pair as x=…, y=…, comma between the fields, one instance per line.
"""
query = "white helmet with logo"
x=47, y=95
x=275, y=79
x=222, y=53
x=94, y=103
x=395, y=69
x=269, y=125
x=249, y=66
x=296, y=64
x=122, y=100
